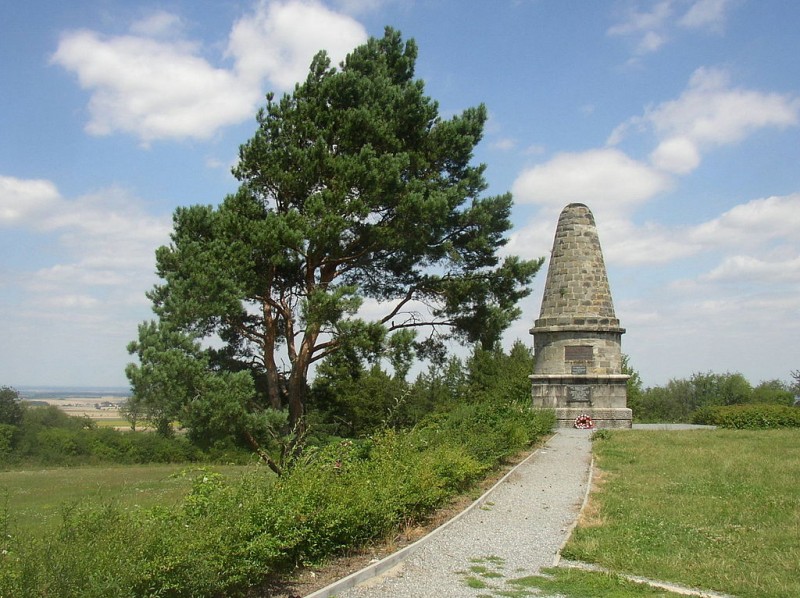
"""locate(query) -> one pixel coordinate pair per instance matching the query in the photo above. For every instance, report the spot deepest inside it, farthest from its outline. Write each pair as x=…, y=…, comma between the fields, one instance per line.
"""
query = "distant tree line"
x=44, y=435
x=350, y=398
x=680, y=398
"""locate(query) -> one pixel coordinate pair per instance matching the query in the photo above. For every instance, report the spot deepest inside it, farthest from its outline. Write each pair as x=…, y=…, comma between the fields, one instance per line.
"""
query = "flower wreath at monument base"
x=583, y=422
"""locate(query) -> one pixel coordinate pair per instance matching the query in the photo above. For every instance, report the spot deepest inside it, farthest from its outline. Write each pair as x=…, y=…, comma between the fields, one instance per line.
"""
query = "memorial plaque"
x=579, y=394
x=579, y=370
x=579, y=353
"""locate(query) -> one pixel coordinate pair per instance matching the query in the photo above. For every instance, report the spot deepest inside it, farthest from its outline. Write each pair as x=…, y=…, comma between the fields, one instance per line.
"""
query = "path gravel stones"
x=513, y=532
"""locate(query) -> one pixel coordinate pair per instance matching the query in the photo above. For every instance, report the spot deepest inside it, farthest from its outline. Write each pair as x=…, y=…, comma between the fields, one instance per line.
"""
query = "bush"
x=488, y=431
x=11, y=410
x=680, y=398
x=49, y=437
x=749, y=417
x=8, y=435
x=230, y=537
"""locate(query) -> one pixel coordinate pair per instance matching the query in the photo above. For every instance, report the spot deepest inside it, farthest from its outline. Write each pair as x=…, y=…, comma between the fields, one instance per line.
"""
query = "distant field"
x=102, y=409
x=35, y=498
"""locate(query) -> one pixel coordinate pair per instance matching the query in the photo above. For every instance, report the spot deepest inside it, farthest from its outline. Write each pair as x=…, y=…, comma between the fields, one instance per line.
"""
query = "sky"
x=676, y=121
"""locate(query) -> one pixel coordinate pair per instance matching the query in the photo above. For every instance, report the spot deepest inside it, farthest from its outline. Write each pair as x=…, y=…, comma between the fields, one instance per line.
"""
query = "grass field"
x=118, y=423
x=35, y=498
x=718, y=509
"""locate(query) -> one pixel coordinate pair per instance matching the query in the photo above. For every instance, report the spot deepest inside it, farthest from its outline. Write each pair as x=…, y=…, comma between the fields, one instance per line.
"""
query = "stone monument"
x=577, y=338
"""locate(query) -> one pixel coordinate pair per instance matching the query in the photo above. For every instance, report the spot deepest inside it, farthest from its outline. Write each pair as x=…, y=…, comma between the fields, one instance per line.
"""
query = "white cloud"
x=653, y=26
x=711, y=112
x=535, y=239
x=708, y=328
x=756, y=222
x=279, y=40
x=535, y=149
x=153, y=89
x=651, y=41
x=503, y=144
x=637, y=21
x=606, y=178
x=54, y=279
x=155, y=84
x=106, y=240
x=708, y=114
x=758, y=226
x=364, y=6
x=160, y=24
x=69, y=302
x=746, y=268
x=84, y=297
x=624, y=244
x=24, y=200
x=628, y=245
x=648, y=26
x=766, y=228
x=706, y=14
x=678, y=155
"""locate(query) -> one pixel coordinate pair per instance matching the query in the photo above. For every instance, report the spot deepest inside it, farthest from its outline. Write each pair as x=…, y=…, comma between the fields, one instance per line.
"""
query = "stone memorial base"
x=603, y=398
x=601, y=418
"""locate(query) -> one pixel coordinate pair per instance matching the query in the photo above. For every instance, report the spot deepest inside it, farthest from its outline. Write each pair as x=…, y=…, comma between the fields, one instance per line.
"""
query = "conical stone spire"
x=577, y=292
x=578, y=368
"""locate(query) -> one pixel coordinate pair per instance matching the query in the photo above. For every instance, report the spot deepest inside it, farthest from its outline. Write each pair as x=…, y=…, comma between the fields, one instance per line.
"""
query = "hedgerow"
x=229, y=537
x=749, y=417
x=48, y=437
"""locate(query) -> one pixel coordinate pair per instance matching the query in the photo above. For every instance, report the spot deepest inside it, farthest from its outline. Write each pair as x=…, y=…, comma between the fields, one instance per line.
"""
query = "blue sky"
x=676, y=121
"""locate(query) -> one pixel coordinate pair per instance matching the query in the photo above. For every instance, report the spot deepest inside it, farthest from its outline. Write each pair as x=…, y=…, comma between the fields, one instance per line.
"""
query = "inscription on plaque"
x=578, y=370
x=579, y=353
x=579, y=394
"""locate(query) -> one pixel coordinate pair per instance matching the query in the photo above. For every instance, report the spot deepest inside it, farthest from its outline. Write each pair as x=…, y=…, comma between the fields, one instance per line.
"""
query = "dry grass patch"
x=591, y=515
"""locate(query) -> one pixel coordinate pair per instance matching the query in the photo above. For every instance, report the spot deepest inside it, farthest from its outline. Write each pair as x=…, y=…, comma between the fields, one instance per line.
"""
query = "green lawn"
x=34, y=498
x=715, y=509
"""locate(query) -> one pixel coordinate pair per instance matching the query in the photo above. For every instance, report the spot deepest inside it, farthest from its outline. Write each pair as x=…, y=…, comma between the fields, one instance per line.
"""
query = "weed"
x=475, y=583
x=485, y=571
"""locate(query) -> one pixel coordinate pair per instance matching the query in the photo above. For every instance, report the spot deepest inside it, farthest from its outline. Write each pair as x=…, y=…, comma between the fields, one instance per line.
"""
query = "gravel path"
x=518, y=529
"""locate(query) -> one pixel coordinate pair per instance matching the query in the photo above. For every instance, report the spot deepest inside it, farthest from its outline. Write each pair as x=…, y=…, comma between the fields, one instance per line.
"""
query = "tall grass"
x=35, y=497
x=713, y=509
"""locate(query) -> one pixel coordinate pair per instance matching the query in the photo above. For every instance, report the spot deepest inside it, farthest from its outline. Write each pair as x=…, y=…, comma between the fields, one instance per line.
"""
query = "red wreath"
x=583, y=422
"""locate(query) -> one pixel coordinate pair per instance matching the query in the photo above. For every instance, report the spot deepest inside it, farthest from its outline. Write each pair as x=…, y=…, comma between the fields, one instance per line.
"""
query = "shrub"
x=489, y=431
x=11, y=411
x=8, y=435
x=47, y=436
x=749, y=417
x=229, y=537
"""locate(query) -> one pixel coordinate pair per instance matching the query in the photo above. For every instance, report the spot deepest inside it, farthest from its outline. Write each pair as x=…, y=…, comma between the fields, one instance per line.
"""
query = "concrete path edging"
x=660, y=585
x=387, y=563
x=574, y=524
